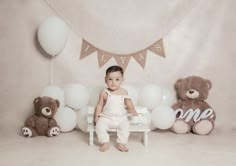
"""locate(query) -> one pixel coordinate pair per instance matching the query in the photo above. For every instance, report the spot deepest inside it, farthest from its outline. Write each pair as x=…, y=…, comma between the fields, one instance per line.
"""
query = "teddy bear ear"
x=177, y=84
x=209, y=84
x=58, y=103
x=36, y=100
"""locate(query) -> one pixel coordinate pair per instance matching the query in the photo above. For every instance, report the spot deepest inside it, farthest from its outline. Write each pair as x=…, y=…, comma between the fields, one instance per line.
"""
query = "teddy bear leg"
x=203, y=127
x=180, y=127
x=28, y=132
x=53, y=131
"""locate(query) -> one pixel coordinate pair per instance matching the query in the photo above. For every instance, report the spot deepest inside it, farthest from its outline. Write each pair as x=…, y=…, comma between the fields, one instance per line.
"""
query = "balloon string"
x=51, y=71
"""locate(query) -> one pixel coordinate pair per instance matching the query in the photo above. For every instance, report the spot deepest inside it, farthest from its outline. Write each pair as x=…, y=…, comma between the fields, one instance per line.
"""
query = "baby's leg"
x=101, y=130
x=123, y=135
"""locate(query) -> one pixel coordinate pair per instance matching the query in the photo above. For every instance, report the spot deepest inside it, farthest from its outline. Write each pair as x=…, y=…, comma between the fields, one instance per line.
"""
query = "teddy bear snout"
x=46, y=111
x=192, y=94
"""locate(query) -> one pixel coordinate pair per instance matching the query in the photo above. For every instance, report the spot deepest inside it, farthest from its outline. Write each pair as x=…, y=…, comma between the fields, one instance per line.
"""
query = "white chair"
x=138, y=124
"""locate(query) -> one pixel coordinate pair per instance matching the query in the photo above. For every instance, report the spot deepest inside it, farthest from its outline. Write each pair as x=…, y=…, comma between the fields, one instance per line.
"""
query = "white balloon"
x=94, y=95
x=163, y=117
x=152, y=126
x=76, y=96
x=150, y=96
x=54, y=92
x=52, y=35
x=82, y=122
x=66, y=119
x=132, y=92
x=168, y=97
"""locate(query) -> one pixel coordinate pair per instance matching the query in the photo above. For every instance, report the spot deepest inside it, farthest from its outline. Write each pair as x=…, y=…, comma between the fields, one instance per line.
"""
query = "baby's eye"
x=110, y=79
x=117, y=79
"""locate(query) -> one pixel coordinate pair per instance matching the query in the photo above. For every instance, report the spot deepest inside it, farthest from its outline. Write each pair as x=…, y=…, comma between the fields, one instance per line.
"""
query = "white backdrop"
x=200, y=43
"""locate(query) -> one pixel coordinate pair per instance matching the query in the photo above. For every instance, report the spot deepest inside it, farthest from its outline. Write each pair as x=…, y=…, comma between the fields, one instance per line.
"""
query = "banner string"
x=49, y=5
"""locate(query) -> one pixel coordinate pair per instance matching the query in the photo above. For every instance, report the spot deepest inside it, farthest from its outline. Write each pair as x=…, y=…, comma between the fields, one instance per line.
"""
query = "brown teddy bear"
x=42, y=122
x=192, y=112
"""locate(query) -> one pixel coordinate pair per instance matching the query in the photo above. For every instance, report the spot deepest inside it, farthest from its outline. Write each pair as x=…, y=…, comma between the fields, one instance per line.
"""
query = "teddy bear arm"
x=30, y=121
x=177, y=105
x=205, y=105
x=214, y=115
x=52, y=123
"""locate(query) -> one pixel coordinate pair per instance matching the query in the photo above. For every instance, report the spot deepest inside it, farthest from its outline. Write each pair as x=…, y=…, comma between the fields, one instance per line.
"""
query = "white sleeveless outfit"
x=113, y=115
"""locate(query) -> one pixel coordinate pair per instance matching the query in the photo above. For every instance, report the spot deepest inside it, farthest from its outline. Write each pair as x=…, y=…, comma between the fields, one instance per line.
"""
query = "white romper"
x=113, y=115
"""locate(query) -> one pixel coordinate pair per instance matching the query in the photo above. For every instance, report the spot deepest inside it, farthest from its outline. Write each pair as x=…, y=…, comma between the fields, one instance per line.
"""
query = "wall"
x=202, y=43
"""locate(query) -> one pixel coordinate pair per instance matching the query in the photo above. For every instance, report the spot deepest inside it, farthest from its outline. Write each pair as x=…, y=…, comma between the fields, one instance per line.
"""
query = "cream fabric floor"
x=164, y=149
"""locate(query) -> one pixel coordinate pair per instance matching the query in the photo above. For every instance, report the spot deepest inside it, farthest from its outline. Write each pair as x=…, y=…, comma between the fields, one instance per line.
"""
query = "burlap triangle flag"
x=103, y=57
x=86, y=49
x=140, y=57
x=158, y=48
x=122, y=60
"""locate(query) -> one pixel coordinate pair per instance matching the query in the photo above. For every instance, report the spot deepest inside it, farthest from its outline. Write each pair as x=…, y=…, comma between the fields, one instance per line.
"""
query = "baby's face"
x=114, y=80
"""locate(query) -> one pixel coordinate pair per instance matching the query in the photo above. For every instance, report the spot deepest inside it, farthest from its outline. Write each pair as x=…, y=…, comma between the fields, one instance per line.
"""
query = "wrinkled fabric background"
x=200, y=41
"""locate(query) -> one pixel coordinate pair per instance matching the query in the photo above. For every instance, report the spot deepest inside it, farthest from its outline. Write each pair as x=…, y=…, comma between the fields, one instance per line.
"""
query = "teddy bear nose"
x=191, y=91
x=47, y=110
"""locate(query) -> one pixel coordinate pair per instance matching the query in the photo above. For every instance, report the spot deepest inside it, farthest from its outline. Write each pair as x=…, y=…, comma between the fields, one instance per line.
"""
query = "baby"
x=110, y=111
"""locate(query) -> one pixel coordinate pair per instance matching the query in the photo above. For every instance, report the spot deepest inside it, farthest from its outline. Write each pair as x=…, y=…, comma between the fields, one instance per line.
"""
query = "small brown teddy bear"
x=42, y=122
x=192, y=112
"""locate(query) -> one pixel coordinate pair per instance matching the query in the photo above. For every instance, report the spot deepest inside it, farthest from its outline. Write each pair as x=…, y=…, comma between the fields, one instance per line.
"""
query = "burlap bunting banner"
x=122, y=59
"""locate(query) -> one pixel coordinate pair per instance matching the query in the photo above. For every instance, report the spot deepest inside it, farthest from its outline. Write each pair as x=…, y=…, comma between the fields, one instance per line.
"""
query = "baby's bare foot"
x=122, y=147
x=104, y=147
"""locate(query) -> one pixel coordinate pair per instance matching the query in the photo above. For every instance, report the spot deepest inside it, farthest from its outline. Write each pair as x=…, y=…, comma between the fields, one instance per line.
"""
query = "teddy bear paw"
x=203, y=127
x=26, y=132
x=180, y=127
x=54, y=131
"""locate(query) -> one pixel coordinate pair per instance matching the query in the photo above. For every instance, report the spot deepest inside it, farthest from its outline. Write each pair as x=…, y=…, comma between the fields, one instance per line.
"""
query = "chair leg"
x=91, y=138
x=145, y=138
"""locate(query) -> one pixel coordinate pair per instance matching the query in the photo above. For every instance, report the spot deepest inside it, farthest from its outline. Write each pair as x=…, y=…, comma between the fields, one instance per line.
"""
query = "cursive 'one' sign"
x=196, y=114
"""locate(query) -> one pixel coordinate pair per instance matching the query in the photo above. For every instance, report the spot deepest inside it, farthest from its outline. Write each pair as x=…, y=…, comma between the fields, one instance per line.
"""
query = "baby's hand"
x=95, y=119
x=134, y=113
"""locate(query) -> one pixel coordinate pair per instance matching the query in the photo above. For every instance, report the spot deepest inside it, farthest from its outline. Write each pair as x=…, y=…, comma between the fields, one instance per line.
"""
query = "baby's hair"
x=114, y=69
